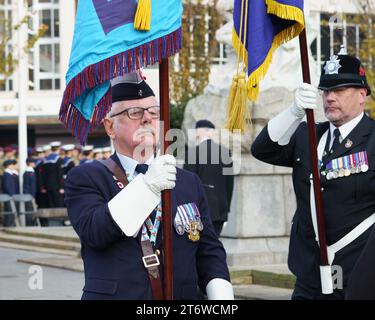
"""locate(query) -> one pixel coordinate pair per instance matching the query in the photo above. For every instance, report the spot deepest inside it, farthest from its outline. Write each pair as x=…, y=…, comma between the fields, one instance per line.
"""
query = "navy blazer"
x=10, y=184
x=113, y=262
x=29, y=183
x=347, y=201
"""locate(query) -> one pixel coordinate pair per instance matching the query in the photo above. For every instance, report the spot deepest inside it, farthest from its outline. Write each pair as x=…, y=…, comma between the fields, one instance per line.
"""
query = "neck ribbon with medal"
x=152, y=228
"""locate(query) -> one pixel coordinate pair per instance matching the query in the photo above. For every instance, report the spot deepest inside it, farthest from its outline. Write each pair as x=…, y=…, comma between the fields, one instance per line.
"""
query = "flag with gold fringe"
x=259, y=28
x=111, y=38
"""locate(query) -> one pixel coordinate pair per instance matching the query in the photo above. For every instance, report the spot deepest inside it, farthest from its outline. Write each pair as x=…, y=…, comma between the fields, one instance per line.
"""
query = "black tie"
x=141, y=168
x=336, y=141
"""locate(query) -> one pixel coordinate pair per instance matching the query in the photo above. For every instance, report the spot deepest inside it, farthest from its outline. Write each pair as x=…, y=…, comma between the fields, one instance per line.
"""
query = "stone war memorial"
x=258, y=227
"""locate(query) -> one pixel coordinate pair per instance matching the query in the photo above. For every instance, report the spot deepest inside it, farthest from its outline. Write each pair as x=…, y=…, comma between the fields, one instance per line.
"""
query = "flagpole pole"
x=166, y=194
x=314, y=155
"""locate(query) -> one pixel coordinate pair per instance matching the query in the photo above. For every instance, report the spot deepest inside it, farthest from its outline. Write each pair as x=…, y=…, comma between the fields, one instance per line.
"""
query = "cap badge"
x=333, y=65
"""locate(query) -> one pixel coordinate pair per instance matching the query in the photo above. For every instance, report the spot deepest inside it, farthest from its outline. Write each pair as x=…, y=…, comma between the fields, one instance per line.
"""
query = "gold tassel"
x=238, y=111
x=142, y=20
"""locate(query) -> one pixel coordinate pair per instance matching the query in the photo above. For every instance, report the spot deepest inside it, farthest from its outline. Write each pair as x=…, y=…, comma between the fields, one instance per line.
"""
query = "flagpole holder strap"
x=151, y=260
x=151, y=263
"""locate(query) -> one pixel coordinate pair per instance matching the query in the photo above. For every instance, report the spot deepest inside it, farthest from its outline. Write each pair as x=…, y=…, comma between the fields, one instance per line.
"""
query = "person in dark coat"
x=346, y=149
x=10, y=186
x=68, y=161
x=214, y=166
x=29, y=187
x=29, y=177
x=120, y=226
x=52, y=176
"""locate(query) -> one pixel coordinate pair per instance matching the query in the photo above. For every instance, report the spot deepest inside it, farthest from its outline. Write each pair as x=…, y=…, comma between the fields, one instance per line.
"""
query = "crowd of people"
x=46, y=171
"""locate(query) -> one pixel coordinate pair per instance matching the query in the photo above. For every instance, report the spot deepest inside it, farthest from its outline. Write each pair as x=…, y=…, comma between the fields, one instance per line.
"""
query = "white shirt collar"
x=30, y=169
x=129, y=164
x=10, y=171
x=346, y=128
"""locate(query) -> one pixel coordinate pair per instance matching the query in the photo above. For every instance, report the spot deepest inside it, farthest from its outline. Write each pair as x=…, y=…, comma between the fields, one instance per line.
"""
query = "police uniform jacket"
x=347, y=201
x=361, y=284
x=113, y=262
x=210, y=161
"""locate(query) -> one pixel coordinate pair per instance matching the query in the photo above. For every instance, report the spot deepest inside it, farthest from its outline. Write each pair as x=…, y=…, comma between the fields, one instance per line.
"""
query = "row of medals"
x=192, y=228
x=344, y=172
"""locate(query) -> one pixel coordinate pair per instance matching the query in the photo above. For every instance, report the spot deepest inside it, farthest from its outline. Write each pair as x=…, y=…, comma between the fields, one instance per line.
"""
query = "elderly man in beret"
x=114, y=206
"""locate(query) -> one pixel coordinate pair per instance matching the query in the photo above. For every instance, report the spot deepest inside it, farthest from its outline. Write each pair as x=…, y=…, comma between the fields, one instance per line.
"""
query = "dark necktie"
x=336, y=141
x=142, y=168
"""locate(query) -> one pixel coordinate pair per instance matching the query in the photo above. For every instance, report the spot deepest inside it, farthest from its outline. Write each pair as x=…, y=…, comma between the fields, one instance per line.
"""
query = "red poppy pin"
x=361, y=71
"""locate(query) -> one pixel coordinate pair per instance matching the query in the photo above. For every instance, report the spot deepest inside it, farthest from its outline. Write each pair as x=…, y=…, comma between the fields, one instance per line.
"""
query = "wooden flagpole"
x=314, y=155
x=166, y=194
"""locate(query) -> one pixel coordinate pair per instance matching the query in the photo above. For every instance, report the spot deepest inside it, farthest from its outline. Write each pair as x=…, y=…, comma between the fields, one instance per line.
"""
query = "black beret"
x=7, y=163
x=204, y=124
x=343, y=71
x=131, y=86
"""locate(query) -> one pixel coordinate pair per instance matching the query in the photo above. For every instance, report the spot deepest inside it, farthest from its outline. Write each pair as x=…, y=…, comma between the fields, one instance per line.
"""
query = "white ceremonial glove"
x=282, y=127
x=305, y=97
x=219, y=289
x=161, y=174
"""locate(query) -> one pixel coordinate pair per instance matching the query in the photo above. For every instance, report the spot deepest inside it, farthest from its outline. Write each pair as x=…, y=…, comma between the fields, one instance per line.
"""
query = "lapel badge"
x=120, y=185
x=348, y=143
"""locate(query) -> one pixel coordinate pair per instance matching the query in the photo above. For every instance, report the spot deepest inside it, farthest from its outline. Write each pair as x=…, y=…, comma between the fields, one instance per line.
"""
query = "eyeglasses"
x=136, y=113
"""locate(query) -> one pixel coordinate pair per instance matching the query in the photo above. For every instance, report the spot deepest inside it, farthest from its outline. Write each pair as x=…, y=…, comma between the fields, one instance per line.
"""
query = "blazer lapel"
x=356, y=137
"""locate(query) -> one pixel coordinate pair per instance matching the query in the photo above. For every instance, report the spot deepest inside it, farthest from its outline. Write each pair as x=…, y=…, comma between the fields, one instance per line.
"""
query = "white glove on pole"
x=161, y=174
x=305, y=97
x=219, y=289
x=282, y=127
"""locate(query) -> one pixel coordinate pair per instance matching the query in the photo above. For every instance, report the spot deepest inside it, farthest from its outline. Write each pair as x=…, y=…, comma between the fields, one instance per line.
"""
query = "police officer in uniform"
x=116, y=224
x=346, y=149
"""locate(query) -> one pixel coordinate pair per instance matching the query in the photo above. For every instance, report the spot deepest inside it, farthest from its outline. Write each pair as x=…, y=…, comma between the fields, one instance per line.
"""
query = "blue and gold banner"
x=260, y=26
x=106, y=45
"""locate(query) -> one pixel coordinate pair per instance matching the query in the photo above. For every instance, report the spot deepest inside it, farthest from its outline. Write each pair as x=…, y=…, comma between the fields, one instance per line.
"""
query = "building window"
x=352, y=31
x=6, y=80
x=44, y=57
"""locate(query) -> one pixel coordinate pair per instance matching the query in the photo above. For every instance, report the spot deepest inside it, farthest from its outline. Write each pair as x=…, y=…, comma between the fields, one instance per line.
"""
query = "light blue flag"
x=106, y=45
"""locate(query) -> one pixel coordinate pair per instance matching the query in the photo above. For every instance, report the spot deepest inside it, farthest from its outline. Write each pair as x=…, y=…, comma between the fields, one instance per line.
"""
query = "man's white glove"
x=161, y=174
x=304, y=98
x=219, y=289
